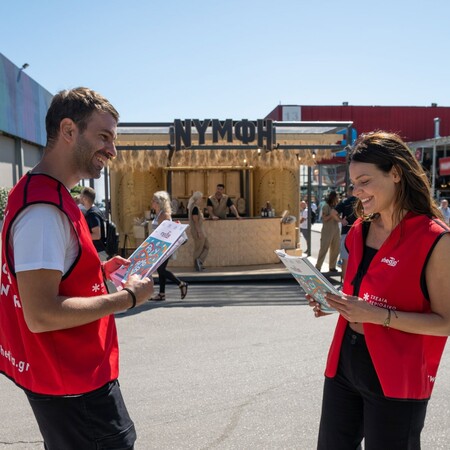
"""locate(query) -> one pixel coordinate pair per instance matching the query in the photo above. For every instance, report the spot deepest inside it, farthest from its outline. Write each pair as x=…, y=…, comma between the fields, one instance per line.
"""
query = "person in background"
x=80, y=205
x=330, y=234
x=197, y=230
x=304, y=222
x=95, y=221
x=56, y=316
x=320, y=207
x=345, y=210
x=314, y=206
x=163, y=211
x=182, y=209
x=427, y=164
x=219, y=203
x=394, y=312
x=445, y=210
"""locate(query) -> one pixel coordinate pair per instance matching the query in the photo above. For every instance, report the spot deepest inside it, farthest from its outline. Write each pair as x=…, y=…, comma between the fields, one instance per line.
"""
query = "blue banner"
x=23, y=104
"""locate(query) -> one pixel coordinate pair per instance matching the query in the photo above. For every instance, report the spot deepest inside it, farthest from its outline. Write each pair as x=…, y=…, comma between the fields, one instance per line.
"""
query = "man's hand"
x=113, y=264
x=142, y=288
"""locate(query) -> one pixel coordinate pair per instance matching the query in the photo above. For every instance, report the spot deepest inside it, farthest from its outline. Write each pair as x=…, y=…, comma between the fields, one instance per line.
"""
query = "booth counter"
x=246, y=242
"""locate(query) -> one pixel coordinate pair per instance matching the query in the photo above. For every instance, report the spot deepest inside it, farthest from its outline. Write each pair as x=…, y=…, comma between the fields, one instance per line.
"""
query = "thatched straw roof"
x=144, y=146
x=142, y=160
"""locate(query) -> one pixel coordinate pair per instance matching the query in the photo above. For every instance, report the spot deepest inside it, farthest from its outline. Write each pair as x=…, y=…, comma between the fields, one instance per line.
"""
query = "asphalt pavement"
x=238, y=364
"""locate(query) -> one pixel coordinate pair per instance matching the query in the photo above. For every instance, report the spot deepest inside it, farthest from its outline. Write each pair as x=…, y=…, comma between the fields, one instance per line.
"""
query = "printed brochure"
x=309, y=278
x=159, y=246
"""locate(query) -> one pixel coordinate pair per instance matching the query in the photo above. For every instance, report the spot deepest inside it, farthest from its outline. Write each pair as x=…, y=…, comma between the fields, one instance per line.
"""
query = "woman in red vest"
x=395, y=309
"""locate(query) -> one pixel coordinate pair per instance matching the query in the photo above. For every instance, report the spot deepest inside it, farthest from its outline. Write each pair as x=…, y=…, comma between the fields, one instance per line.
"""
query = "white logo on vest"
x=391, y=261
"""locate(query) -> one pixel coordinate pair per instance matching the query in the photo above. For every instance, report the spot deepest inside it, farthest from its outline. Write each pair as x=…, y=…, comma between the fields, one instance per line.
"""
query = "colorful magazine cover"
x=309, y=278
x=159, y=246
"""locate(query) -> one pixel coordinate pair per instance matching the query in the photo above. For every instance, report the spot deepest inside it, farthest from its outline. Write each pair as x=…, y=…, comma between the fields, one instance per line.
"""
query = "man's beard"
x=84, y=154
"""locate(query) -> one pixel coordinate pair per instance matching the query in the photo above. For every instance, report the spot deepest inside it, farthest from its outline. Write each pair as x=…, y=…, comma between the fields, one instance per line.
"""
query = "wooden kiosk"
x=256, y=161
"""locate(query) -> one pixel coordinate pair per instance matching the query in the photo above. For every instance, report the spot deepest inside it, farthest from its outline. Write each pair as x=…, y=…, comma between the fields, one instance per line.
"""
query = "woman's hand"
x=355, y=309
x=316, y=307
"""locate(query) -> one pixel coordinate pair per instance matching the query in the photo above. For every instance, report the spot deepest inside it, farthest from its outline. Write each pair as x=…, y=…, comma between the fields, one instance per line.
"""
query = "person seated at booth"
x=219, y=203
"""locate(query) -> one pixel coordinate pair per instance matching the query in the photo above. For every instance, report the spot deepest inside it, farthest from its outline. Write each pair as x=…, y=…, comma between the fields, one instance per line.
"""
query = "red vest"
x=64, y=362
x=406, y=363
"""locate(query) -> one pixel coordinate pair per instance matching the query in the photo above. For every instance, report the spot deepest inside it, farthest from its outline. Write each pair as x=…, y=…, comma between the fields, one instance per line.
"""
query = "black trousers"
x=354, y=407
x=97, y=420
x=164, y=275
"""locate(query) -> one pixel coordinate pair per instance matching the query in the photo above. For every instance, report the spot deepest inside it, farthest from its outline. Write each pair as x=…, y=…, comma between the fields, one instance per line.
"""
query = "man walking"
x=57, y=323
x=345, y=209
x=95, y=221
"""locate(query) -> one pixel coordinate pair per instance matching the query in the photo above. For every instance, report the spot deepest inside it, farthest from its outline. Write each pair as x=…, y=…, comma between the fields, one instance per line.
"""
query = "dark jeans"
x=304, y=232
x=164, y=275
x=97, y=420
x=354, y=407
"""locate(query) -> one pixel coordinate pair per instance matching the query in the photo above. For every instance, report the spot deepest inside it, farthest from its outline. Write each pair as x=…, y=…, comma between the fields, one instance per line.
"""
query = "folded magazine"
x=309, y=278
x=159, y=246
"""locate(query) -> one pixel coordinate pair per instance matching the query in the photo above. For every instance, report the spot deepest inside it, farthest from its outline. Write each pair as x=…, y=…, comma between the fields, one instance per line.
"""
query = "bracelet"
x=103, y=271
x=388, y=319
x=133, y=297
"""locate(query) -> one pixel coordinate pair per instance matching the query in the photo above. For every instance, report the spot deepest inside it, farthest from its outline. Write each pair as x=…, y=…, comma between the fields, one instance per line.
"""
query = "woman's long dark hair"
x=332, y=199
x=387, y=150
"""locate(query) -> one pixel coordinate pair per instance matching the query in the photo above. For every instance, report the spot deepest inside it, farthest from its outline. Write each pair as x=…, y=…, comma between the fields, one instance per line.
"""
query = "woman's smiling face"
x=374, y=188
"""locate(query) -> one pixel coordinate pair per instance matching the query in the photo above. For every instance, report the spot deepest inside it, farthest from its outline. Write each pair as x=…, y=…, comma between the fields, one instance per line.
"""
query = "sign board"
x=244, y=131
x=444, y=167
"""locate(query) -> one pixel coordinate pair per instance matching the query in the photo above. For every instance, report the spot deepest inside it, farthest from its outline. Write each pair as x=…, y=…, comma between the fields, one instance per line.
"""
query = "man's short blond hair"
x=89, y=193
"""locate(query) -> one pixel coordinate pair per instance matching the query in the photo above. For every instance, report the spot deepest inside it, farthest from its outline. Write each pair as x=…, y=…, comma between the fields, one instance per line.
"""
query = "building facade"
x=23, y=106
x=426, y=129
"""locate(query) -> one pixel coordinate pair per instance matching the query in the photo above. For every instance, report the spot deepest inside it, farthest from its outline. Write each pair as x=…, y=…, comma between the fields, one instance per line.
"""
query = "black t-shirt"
x=94, y=218
x=345, y=208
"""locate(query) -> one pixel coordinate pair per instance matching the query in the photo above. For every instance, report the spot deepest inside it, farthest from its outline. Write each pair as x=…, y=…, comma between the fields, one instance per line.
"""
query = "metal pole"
x=107, y=198
x=433, y=171
x=309, y=209
x=433, y=164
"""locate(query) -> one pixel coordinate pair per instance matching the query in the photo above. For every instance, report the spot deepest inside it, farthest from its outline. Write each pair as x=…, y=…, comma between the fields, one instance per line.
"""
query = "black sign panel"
x=260, y=132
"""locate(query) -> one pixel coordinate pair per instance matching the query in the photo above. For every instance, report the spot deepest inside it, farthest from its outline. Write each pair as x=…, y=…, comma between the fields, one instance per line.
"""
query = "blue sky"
x=167, y=59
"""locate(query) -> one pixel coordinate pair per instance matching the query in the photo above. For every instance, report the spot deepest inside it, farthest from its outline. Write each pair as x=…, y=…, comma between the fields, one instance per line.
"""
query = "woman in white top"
x=163, y=211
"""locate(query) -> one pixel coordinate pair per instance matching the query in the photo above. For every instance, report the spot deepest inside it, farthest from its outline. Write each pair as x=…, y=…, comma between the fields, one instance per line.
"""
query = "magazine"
x=160, y=245
x=309, y=278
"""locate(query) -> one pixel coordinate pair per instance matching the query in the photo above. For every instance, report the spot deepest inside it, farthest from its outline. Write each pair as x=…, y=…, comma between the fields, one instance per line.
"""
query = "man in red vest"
x=58, y=337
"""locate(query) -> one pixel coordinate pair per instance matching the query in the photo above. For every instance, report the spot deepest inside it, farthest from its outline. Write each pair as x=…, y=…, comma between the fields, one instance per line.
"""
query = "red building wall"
x=412, y=123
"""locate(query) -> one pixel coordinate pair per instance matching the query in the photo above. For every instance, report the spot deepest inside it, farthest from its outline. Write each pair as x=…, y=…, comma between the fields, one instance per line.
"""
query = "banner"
x=444, y=167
